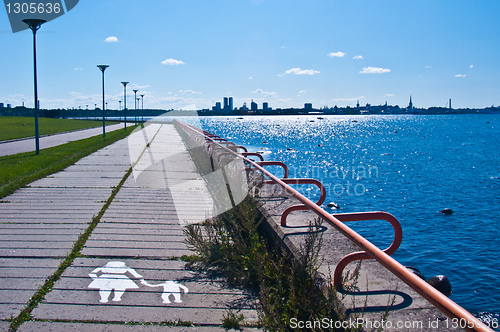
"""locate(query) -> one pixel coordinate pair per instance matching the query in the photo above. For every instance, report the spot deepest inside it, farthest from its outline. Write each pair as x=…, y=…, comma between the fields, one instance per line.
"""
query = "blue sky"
x=190, y=54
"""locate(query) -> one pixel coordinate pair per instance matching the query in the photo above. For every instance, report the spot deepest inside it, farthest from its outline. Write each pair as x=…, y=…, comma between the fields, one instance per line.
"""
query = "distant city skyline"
x=185, y=55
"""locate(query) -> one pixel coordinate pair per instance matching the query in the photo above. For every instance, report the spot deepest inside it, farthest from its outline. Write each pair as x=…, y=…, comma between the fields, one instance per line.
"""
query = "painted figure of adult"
x=112, y=277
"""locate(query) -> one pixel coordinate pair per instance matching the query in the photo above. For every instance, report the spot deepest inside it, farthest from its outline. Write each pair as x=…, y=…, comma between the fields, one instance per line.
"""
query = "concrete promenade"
x=130, y=260
x=28, y=144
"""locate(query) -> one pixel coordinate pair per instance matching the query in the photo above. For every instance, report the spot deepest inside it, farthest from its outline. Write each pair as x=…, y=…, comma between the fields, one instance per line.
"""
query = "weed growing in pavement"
x=289, y=286
x=232, y=321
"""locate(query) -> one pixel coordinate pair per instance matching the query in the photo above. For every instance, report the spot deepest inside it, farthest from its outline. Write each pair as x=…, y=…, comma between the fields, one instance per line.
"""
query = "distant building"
x=217, y=106
x=308, y=106
x=244, y=107
x=450, y=103
x=226, y=104
x=410, y=106
x=253, y=106
x=1, y=105
x=265, y=106
x=231, y=104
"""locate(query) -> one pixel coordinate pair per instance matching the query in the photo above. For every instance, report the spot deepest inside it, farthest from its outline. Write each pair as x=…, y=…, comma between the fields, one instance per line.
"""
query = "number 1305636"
x=33, y=8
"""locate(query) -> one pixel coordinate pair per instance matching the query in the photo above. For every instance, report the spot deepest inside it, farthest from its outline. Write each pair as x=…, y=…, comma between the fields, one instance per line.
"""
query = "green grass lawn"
x=12, y=127
x=21, y=169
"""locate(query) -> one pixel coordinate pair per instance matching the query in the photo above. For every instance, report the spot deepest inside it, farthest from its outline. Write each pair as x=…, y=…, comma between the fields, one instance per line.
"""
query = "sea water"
x=412, y=166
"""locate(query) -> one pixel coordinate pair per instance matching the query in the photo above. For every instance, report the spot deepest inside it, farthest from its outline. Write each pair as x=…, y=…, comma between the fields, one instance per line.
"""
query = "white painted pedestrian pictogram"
x=113, y=277
x=169, y=288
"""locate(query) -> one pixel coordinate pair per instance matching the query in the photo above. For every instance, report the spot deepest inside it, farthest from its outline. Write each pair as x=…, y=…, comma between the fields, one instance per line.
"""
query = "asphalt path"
x=28, y=144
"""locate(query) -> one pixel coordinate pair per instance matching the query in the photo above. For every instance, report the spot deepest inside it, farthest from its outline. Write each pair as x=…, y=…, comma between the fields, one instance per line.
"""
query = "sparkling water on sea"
x=410, y=166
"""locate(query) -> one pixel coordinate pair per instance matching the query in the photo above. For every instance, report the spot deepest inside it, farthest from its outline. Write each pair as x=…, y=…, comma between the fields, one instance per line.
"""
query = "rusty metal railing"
x=439, y=300
x=253, y=154
x=272, y=163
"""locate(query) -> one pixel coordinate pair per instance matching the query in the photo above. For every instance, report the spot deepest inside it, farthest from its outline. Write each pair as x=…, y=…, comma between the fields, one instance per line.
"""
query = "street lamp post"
x=125, y=103
x=138, y=103
x=142, y=96
x=103, y=68
x=34, y=25
x=135, y=105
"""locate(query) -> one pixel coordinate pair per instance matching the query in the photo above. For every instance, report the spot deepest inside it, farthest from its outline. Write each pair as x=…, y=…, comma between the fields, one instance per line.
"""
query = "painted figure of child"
x=169, y=288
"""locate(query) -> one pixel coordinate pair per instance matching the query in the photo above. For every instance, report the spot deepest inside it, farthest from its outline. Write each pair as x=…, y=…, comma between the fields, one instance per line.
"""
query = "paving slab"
x=4, y=326
x=11, y=310
x=28, y=263
x=34, y=238
x=127, y=229
x=35, y=253
x=23, y=272
x=150, y=238
x=26, y=283
x=56, y=216
x=88, y=327
x=45, y=221
x=17, y=208
x=54, y=244
x=36, y=228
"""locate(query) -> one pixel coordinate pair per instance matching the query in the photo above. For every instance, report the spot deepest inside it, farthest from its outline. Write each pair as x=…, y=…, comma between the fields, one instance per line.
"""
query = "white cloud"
x=302, y=91
x=141, y=86
x=78, y=69
x=265, y=93
x=250, y=78
x=298, y=71
x=389, y=95
x=460, y=75
x=471, y=66
x=428, y=66
x=172, y=62
x=281, y=75
x=336, y=54
x=190, y=91
x=111, y=39
x=374, y=70
x=358, y=57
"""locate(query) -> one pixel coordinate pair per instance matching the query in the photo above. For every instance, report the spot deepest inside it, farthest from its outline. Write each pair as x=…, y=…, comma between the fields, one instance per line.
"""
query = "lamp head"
x=102, y=67
x=124, y=83
x=135, y=91
x=34, y=23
